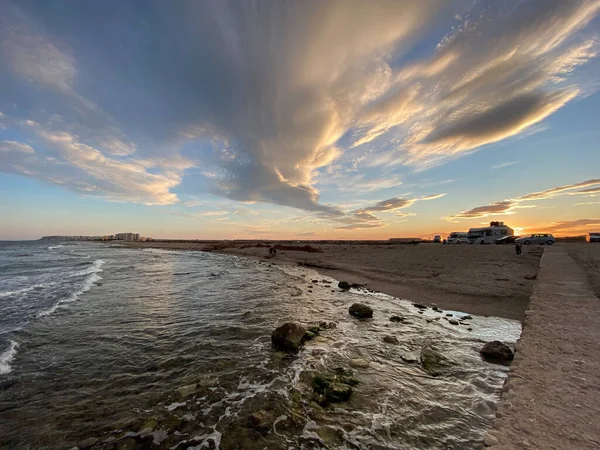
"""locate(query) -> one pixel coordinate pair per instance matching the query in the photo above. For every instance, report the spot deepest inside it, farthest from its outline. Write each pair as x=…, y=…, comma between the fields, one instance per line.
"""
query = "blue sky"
x=308, y=119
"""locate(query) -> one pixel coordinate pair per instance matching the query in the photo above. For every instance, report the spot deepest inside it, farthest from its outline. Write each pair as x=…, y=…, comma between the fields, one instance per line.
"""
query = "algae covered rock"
x=433, y=362
x=333, y=387
x=288, y=337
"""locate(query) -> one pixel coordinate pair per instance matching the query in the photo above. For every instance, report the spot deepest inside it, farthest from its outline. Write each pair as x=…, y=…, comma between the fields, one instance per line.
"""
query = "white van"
x=457, y=237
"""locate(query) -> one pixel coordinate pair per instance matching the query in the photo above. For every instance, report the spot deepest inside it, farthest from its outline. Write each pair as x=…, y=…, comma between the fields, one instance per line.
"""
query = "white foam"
x=174, y=406
x=54, y=247
x=87, y=284
x=7, y=357
x=24, y=290
x=93, y=268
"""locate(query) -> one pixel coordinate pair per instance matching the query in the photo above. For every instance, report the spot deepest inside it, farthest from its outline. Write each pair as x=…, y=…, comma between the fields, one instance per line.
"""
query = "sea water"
x=104, y=346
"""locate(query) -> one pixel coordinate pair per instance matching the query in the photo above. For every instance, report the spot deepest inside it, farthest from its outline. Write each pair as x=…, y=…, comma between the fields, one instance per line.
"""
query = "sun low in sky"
x=298, y=119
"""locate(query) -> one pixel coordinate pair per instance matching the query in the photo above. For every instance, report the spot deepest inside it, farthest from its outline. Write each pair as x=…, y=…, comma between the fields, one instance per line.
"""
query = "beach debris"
x=496, y=352
x=289, y=337
x=261, y=420
x=453, y=322
x=361, y=311
x=327, y=325
x=333, y=387
x=433, y=362
x=359, y=363
x=389, y=339
x=396, y=319
x=419, y=305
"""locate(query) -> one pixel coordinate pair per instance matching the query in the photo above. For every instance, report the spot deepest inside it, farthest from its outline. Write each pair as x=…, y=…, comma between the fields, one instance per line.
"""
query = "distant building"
x=129, y=237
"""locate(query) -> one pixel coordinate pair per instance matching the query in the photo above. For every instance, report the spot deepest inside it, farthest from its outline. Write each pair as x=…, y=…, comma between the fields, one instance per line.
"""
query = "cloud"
x=559, y=190
x=212, y=213
x=13, y=146
x=503, y=165
x=307, y=233
x=509, y=206
x=259, y=97
x=360, y=226
x=574, y=226
x=394, y=203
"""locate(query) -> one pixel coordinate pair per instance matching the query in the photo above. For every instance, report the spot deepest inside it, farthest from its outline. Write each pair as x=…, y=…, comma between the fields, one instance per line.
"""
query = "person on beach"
x=272, y=251
x=518, y=248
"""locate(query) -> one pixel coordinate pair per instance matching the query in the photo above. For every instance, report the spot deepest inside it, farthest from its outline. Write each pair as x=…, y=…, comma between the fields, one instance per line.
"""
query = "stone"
x=344, y=285
x=149, y=425
x=186, y=391
x=469, y=329
x=466, y=317
x=396, y=319
x=327, y=325
x=333, y=388
x=433, y=362
x=314, y=281
x=419, y=305
x=261, y=420
x=497, y=352
x=409, y=358
x=289, y=337
x=389, y=339
x=489, y=440
x=453, y=322
x=361, y=311
x=359, y=363
x=309, y=335
x=448, y=315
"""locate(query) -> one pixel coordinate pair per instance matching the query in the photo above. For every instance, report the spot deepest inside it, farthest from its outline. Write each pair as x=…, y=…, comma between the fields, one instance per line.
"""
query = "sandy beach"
x=485, y=280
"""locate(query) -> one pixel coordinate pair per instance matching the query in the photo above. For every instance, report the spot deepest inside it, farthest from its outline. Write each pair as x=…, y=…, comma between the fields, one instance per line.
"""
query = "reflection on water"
x=173, y=349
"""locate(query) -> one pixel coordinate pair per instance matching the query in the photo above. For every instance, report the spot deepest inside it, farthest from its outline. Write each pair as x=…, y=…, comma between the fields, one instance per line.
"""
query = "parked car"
x=457, y=237
x=506, y=240
x=540, y=238
x=437, y=239
x=593, y=237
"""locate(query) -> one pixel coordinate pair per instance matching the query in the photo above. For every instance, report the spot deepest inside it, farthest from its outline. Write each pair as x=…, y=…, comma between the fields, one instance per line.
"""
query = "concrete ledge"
x=551, y=399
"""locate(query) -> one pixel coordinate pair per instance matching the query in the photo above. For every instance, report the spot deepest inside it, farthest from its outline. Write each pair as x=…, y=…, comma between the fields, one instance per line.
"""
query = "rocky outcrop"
x=289, y=337
x=333, y=387
x=361, y=311
x=496, y=352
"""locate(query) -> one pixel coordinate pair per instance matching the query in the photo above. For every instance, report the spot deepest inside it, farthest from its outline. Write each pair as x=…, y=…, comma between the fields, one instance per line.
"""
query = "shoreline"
x=475, y=280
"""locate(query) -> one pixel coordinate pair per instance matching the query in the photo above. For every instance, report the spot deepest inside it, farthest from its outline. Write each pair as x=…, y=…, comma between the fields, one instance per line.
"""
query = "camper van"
x=487, y=235
x=457, y=237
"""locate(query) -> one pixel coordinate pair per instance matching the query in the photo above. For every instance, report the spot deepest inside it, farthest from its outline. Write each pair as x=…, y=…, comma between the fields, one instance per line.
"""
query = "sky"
x=222, y=119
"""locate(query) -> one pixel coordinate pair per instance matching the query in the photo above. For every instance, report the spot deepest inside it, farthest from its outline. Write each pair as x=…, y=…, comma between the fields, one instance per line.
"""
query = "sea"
x=108, y=347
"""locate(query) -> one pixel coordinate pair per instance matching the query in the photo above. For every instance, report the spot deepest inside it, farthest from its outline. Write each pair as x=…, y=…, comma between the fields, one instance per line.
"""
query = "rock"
x=327, y=325
x=344, y=285
x=313, y=329
x=288, y=337
x=497, y=352
x=309, y=335
x=419, y=305
x=389, y=339
x=396, y=319
x=435, y=308
x=361, y=311
x=469, y=329
x=149, y=425
x=359, y=363
x=453, y=322
x=489, y=440
x=448, y=315
x=333, y=388
x=433, y=362
x=466, y=318
x=409, y=358
x=261, y=420
x=186, y=391
x=314, y=281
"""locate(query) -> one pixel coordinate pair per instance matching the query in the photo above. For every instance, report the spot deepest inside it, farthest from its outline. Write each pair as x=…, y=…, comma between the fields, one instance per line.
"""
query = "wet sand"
x=488, y=280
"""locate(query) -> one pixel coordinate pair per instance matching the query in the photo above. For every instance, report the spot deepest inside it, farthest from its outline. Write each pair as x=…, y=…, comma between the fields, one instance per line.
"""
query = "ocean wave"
x=93, y=268
x=24, y=290
x=55, y=247
x=7, y=357
x=93, y=278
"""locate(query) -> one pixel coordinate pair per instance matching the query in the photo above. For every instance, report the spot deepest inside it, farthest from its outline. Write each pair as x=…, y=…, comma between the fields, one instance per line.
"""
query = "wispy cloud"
x=503, y=165
x=509, y=206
